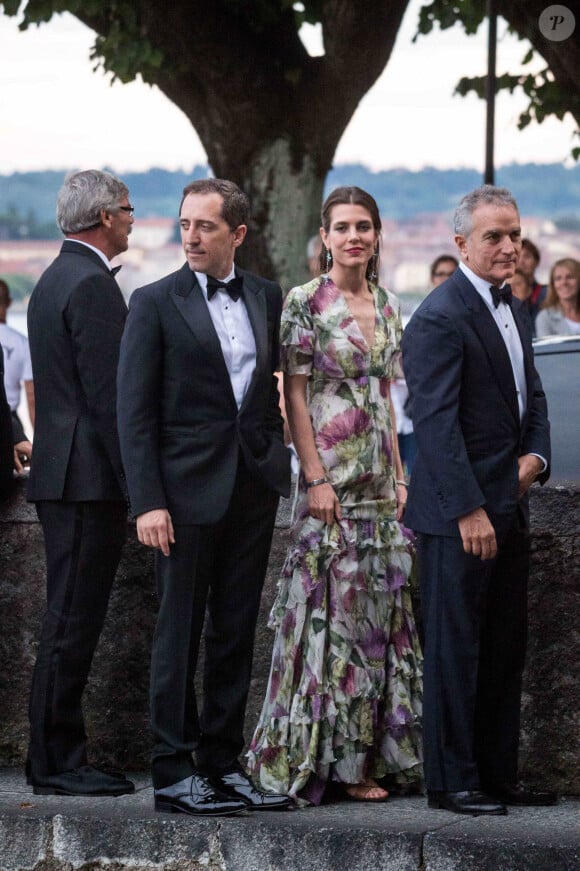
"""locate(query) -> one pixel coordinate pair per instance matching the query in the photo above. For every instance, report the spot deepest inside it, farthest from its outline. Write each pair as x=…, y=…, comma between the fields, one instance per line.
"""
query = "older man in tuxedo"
x=482, y=430
x=75, y=322
x=202, y=443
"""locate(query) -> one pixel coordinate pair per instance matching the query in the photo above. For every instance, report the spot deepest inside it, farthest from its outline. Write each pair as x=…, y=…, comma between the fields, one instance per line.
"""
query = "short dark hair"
x=443, y=258
x=235, y=206
x=533, y=249
x=5, y=297
x=358, y=197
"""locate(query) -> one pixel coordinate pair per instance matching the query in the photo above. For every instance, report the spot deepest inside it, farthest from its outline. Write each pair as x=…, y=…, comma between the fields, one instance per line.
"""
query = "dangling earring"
x=328, y=259
x=373, y=274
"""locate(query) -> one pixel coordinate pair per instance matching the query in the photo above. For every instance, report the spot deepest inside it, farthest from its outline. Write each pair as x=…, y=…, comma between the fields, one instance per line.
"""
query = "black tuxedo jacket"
x=465, y=409
x=179, y=424
x=76, y=316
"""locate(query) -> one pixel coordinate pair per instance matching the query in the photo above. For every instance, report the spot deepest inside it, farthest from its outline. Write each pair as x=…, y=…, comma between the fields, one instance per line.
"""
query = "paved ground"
x=47, y=833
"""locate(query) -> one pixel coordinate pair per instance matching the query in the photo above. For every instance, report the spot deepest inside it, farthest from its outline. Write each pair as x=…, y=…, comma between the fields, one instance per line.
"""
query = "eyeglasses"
x=128, y=209
x=442, y=274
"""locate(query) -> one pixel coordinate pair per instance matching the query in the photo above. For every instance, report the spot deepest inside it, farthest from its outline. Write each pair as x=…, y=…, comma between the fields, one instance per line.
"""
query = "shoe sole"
x=53, y=790
x=436, y=805
x=164, y=807
x=271, y=807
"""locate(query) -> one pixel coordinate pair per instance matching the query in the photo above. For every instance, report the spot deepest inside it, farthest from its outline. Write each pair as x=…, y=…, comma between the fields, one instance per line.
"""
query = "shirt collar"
x=98, y=251
x=481, y=285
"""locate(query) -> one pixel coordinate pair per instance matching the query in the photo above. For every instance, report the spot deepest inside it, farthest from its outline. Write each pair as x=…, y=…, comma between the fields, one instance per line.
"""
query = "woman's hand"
x=323, y=503
x=401, y=491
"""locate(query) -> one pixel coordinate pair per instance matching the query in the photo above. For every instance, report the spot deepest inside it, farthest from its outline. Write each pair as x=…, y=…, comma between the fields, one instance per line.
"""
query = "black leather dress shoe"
x=85, y=780
x=196, y=796
x=470, y=801
x=236, y=783
x=520, y=794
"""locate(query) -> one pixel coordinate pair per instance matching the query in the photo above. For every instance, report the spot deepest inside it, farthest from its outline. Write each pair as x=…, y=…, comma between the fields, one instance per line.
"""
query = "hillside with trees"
x=27, y=200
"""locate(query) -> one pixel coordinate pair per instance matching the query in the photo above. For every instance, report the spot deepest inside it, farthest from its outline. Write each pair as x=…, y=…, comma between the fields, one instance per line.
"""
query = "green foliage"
x=123, y=48
x=546, y=97
x=15, y=224
x=447, y=13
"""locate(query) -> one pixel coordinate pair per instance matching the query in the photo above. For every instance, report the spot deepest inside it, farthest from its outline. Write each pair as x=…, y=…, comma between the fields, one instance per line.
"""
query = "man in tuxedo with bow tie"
x=480, y=419
x=76, y=317
x=202, y=443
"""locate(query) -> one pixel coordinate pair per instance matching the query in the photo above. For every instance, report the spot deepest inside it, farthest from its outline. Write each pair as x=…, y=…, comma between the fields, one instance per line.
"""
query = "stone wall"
x=116, y=698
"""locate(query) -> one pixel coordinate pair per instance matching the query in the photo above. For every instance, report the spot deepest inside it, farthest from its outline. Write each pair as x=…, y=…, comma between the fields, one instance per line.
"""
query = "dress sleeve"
x=297, y=337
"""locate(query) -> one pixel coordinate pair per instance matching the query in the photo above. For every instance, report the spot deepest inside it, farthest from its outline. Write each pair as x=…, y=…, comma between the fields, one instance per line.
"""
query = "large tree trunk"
x=285, y=212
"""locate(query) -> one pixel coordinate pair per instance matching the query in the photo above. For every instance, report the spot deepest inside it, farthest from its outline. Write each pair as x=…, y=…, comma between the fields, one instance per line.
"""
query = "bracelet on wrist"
x=401, y=483
x=316, y=482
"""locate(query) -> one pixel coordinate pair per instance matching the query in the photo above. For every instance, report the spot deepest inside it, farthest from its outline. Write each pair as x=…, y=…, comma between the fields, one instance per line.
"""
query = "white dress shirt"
x=503, y=316
x=234, y=330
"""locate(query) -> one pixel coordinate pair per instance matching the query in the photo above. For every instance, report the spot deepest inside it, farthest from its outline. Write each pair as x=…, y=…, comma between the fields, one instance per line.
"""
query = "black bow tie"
x=115, y=269
x=501, y=294
x=232, y=287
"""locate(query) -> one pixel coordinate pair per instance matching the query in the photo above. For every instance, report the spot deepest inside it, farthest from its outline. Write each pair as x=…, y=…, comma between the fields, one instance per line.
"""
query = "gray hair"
x=485, y=195
x=83, y=195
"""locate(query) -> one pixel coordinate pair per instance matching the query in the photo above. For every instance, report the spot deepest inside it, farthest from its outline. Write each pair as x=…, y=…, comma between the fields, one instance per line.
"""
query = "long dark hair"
x=357, y=197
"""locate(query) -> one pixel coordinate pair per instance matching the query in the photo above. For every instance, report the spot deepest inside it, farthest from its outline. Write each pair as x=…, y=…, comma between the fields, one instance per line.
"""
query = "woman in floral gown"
x=343, y=702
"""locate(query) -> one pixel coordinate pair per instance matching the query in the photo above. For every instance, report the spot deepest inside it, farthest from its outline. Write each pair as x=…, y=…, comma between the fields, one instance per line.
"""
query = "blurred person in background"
x=528, y=262
x=520, y=285
x=560, y=313
x=6, y=440
x=443, y=268
x=17, y=373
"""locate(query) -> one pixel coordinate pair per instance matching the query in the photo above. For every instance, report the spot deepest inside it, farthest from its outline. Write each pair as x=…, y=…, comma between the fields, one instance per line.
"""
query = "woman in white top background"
x=560, y=313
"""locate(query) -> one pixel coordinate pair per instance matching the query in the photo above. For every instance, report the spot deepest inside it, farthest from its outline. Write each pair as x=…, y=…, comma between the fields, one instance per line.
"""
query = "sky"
x=57, y=113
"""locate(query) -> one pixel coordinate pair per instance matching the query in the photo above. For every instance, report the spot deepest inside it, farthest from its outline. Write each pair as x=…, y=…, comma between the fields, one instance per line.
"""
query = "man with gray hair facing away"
x=76, y=317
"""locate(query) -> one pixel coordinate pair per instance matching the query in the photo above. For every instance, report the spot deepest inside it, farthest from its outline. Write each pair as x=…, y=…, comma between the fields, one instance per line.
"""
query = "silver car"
x=557, y=360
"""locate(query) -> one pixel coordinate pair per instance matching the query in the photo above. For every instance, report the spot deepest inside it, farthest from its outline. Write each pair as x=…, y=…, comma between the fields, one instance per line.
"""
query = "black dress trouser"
x=83, y=543
x=220, y=567
x=475, y=619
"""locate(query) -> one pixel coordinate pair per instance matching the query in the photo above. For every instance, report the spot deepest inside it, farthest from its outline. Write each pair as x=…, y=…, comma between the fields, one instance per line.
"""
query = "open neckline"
x=368, y=346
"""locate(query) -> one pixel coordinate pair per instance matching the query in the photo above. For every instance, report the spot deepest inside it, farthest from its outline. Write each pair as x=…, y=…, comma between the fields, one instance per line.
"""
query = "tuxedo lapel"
x=255, y=300
x=187, y=296
x=521, y=317
x=494, y=345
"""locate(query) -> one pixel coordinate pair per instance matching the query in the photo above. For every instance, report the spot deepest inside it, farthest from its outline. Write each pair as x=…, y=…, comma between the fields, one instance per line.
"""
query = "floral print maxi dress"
x=344, y=694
